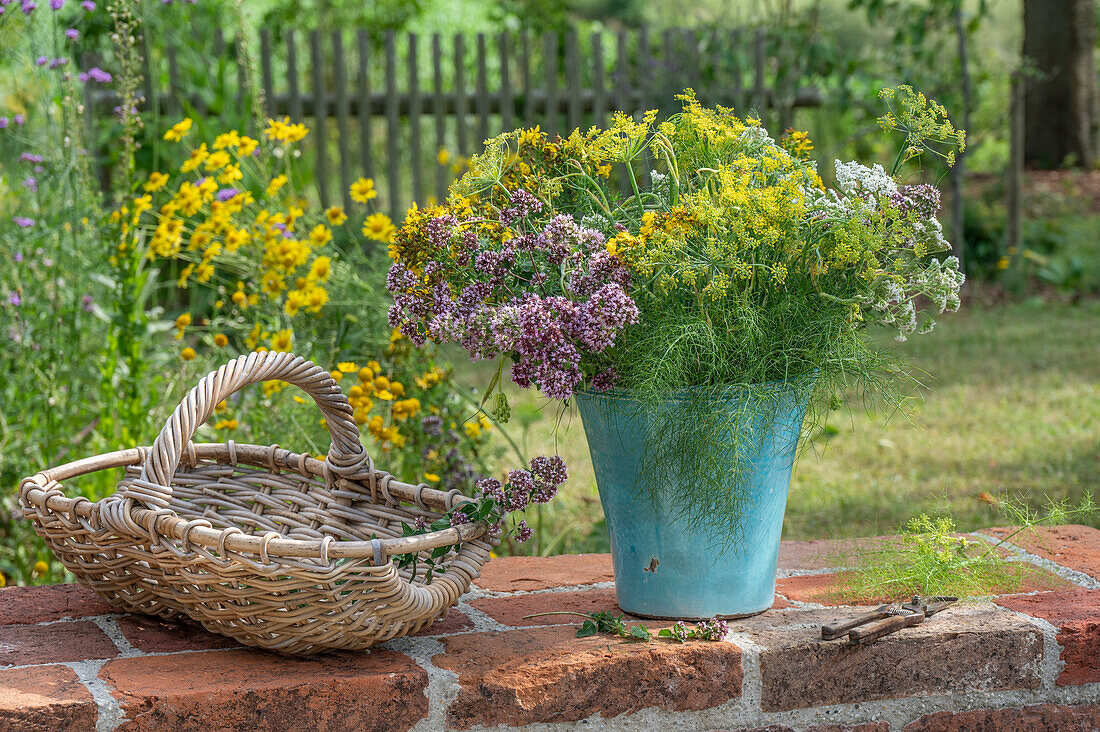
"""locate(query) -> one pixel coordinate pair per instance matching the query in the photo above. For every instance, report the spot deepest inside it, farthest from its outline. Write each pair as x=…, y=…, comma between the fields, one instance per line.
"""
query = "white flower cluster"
x=598, y=222
x=938, y=281
x=929, y=233
x=855, y=179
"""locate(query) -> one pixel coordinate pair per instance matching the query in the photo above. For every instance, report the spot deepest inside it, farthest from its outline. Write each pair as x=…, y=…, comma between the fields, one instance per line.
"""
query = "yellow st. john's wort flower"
x=363, y=190
x=227, y=139
x=188, y=354
x=379, y=227
x=320, y=235
x=195, y=159
x=336, y=215
x=156, y=181
x=282, y=340
x=177, y=131
x=284, y=131
x=276, y=183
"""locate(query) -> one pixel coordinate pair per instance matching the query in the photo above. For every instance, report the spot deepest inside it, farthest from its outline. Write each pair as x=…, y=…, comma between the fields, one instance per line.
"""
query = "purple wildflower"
x=22, y=221
x=72, y=34
x=549, y=474
x=420, y=524
x=87, y=303
x=31, y=184
x=18, y=257
x=517, y=495
x=680, y=631
x=523, y=532
x=713, y=629
x=29, y=6
x=95, y=74
x=4, y=122
x=41, y=61
x=88, y=5
x=226, y=193
x=19, y=119
x=459, y=517
x=58, y=63
x=432, y=425
x=13, y=299
x=57, y=4
x=605, y=380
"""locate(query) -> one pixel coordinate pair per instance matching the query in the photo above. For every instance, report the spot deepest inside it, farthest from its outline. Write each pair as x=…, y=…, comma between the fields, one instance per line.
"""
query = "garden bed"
x=1030, y=660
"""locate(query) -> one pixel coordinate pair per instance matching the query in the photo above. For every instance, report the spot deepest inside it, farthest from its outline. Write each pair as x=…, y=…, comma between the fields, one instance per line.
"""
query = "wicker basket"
x=273, y=548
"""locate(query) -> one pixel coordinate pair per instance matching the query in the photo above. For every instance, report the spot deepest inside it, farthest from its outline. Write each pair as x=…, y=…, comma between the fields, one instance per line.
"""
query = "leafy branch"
x=603, y=622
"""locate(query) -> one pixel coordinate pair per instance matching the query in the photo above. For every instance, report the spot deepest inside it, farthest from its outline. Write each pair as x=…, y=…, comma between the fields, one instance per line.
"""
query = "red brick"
x=509, y=574
x=44, y=699
x=247, y=689
x=979, y=648
x=513, y=610
x=1076, y=614
x=28, y=605
x=81, y=640
x=549, y=675
x=455, y=622
x=1076, y=547
x=162, y=636
x=866, y=727
x=1038, y=718
x=832, y=589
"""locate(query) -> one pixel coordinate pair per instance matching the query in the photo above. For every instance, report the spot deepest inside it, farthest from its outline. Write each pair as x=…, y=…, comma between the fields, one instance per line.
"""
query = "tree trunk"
x=1060, y=126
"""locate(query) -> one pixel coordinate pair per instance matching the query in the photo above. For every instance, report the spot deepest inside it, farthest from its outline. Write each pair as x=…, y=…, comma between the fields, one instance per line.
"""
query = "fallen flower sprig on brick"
x=603, y=621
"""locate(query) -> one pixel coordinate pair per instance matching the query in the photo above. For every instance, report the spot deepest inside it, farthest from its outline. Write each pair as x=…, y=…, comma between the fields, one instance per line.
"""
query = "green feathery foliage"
x=929, y=558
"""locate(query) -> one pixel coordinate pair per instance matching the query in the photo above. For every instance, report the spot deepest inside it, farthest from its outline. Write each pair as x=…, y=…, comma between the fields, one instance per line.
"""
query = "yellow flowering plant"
x=260, y=269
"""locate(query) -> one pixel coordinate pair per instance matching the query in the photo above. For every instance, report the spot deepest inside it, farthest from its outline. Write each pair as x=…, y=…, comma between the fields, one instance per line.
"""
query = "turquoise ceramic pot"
x=663, y=568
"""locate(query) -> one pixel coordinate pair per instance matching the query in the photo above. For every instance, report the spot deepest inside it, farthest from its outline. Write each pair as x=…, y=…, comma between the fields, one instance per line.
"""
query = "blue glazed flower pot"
x=663, y=567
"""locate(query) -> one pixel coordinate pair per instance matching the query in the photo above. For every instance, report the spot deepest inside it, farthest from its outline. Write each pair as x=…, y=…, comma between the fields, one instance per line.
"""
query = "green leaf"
x=588, y=628
x=640, y=632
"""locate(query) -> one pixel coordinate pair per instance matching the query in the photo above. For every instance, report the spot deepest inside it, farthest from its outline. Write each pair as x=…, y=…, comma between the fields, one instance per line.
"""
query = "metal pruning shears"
x=886, y=619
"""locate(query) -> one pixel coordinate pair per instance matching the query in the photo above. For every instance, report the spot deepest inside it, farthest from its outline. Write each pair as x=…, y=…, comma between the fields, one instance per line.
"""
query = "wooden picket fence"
x=386, y=106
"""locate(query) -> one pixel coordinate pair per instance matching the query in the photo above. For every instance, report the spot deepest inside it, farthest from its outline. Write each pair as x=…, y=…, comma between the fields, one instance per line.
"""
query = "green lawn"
x=1013, y=406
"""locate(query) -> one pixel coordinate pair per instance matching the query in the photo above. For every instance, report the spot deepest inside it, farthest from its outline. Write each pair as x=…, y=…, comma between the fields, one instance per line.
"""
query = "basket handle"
x=346, y=455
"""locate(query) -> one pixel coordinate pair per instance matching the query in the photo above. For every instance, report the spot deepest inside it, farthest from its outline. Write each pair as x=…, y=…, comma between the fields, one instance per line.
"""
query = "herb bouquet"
x=695, y=313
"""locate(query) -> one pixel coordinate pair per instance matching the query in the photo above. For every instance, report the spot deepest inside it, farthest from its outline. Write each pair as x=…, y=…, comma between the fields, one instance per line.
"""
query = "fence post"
x=573, y=80
x=507, y=101
x=320, y=116
x=292, y=77
x=599, y=98
x=393, y=149
x=482, y=94
x=460, y=93
x=366, y=104
x=414, y=121
x=525, y=74
x=440, y=121
x=341, y=83
x=266, y=72
x=550, y=61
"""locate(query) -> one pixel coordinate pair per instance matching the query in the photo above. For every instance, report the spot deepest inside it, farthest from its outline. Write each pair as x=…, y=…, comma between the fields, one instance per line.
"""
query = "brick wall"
x=1026, y=661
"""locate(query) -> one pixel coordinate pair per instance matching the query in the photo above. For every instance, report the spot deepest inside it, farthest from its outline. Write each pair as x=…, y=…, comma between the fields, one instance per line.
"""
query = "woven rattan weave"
x=273, y=548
